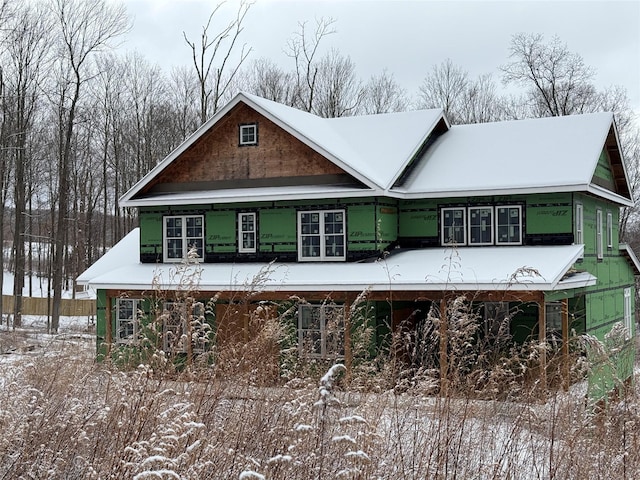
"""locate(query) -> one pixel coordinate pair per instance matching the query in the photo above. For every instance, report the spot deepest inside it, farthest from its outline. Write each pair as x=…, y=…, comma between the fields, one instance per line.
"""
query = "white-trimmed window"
x=628, y=313
x=182, y=233
x=609, y=230
x=181, y=320
x=247, y=232
x=509, y=225
x=453, y=225
x=579, y=224
x=321, y=235
x=321, y=330
x=249, y=134
x=480, y=225
x=599, y=235
x=127, y=321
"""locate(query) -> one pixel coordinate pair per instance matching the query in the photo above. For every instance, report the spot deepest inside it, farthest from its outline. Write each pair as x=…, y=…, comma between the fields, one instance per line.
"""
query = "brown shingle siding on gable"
x=217, y=155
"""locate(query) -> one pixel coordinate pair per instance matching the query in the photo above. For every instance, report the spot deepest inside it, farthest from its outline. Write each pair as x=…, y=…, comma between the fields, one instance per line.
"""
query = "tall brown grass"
x=64, y=416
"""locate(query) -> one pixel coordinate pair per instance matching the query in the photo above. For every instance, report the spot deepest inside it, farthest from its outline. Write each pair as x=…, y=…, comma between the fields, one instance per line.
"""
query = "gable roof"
x=538, y=155
x=438, y=269
x=374, y=149
x=417, y=154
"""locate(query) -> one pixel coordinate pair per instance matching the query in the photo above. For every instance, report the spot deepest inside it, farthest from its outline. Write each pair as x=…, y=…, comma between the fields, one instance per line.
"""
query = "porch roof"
x=506, y=269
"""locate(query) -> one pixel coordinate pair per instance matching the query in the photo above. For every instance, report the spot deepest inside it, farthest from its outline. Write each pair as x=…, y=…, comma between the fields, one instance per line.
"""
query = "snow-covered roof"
x=372, y=148
x=529, y=268
x=541, y=155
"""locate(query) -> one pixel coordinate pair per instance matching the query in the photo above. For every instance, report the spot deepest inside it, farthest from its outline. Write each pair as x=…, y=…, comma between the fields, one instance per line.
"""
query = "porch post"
x=565, y=344
x=542, y=338
x=348, y=354
x=444, y=340
x=108, y=322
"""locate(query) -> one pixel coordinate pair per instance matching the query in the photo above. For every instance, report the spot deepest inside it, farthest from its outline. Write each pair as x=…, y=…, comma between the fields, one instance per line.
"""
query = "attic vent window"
x=249, y=134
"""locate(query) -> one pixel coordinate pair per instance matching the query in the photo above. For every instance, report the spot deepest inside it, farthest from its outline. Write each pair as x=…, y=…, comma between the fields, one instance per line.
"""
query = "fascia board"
x=403, y=194
x=244, y=197
x=624, y=164
x=632, y=256
x=609, y=195
x=579, y=253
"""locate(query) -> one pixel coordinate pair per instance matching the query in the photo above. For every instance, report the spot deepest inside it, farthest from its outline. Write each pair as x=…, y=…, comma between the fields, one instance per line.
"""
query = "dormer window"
x=249, y=134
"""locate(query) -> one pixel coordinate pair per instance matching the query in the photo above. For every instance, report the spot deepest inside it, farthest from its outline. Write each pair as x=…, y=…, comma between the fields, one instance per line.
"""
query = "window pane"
x=480, y=225
x=509, y=225
x=174, y=248
x=334, y=246
x=310, y=246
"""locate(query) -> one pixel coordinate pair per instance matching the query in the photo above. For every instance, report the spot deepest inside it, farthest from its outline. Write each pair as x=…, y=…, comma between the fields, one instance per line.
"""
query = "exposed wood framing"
x=542, y=338
x=444, y=356
x=108, y=324
x=565, y=345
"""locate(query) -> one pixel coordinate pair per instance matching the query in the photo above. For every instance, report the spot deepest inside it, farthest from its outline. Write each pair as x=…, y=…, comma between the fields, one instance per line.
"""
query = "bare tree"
x=182, y=96
x=339, y=92
x=268, y=80
x=27, y=49
x=557, y=80
x=444, y=87
x=85, y=27
x=212, y=57
x=383, y=95
x=303, y=48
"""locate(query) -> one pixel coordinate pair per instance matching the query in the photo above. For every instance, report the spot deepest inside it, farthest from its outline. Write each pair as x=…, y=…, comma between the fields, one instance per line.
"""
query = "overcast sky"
x=408, y=37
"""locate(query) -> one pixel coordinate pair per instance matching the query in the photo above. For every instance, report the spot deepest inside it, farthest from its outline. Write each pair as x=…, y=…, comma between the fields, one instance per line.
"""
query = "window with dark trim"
x=248, y=134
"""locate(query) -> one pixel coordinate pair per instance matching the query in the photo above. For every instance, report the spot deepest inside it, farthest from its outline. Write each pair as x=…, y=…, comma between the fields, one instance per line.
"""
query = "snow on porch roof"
x=535, y=268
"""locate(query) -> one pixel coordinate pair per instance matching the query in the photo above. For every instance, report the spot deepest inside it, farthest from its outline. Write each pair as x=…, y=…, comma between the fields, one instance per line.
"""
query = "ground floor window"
x=128, y=314
x=553, y=317
x=321, y=330
x=495, y=316
x=181, y=321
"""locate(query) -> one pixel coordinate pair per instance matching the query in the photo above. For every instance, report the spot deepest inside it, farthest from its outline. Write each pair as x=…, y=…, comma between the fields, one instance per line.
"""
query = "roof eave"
x=206, y=200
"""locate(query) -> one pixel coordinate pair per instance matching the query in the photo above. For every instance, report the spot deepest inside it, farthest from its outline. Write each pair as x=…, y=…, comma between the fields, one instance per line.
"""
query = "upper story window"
x=182, y=233
x=480, y=225
x=509, y=225
x=484, y=225
x=454, y=225
x=321, y=330
x=321, y=235
x=599, y=235
x=579, y=224
x=127, y=321
x=248, y=134
x=247, y=232
x=609, y=230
